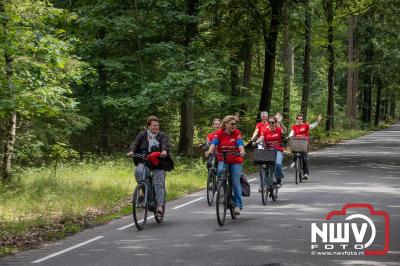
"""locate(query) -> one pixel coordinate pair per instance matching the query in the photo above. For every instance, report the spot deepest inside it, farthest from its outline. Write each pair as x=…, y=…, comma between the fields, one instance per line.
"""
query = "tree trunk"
x=329, y=13
x=270, y=39
x=306, y=64
x=187, y=113
x=286, y=63
x=351, y=105
x=10, y=133
x=392, y=105
x=247, y=58
x=367, y=102
x=105, y=118
x=234, y=65
x=378, y=101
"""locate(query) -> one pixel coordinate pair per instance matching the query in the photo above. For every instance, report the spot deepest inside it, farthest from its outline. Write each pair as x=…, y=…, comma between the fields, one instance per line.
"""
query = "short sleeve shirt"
x=228, y=143
x=274, y=138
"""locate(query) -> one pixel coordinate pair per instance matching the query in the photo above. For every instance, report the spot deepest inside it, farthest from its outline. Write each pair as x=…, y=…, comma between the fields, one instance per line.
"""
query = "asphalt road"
x=365, y=170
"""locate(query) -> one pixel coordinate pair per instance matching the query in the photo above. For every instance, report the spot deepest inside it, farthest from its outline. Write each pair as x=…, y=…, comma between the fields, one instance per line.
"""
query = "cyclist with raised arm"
x=229, y=139
x=272, y=138
x=156, y=144
x=302, y=129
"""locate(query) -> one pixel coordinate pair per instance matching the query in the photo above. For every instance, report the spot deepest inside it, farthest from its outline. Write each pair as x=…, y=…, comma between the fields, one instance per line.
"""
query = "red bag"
x=152, y=157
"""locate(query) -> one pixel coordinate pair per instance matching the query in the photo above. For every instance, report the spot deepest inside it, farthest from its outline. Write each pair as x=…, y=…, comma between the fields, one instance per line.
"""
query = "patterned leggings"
x=142, y=171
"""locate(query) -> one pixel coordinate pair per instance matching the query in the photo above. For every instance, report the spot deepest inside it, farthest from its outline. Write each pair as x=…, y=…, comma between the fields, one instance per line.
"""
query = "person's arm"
x=258, y=141
x=291, y=134
x=279, y=119
x=214, y=143
x=164, y=143
x=135, y=143
x=240, y=144
x=314, y=125
x=255, y=133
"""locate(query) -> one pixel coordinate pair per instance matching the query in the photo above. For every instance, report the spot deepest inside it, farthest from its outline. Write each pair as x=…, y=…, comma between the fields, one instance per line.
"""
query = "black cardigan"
x=141, y=146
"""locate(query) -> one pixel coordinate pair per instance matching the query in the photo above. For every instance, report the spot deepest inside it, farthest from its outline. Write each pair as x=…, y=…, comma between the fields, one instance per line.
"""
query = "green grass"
x=80, y=195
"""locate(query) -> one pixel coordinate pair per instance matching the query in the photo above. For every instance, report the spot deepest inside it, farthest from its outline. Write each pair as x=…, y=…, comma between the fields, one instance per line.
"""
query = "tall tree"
x=10, y=94
x=286, y=62
x=307, y=59
x=352, y=73
x=187, y=127
x=329, y=15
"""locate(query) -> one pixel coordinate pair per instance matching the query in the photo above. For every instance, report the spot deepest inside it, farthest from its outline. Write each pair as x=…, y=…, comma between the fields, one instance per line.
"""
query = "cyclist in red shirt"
x=272, y=138
x=260, y=127
x=301, y=129
x=216, y=125
x=229, y=139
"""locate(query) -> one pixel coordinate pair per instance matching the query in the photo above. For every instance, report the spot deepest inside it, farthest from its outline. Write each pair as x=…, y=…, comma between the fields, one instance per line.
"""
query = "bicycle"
x=265, y=158
x=224, y=199
x=211, y=180
x=144, y=196
x=299, y=147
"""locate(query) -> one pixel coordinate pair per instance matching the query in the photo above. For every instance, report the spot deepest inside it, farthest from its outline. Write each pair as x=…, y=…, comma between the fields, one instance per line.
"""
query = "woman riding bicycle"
x=260, y=127
x=216, y=125
x=155, y=143
x=301, y=129
x=272, y=138
x=229, y=139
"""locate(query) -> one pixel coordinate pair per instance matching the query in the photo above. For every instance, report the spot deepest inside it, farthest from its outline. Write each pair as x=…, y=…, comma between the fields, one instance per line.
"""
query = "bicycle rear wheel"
x=264, y=189
x=274, y=193
x=221, y=202
x=297, y=170
x=231, y=204
x=139, y=206
x=210, y=186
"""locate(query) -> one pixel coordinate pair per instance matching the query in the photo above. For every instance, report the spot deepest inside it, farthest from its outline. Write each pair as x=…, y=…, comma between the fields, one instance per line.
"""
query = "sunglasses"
x=271, y=122
x=233, y=124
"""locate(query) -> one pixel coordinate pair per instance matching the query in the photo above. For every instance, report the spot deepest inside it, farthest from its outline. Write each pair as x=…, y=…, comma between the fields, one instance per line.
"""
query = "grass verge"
x=40, y=205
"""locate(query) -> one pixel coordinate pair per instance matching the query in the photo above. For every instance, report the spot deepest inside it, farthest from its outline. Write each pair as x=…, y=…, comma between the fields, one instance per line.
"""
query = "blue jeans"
x=278, y=165
x=236, y=172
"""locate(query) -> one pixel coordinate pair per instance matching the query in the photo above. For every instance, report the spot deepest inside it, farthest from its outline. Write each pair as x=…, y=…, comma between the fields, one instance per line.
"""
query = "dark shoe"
x=305, y=176
x=159, y=211
x=260, y=189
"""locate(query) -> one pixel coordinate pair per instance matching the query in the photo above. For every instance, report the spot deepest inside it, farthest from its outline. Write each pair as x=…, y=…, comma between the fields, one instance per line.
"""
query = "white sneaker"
x=305, y=176
x=237, y=211
x=292, y=165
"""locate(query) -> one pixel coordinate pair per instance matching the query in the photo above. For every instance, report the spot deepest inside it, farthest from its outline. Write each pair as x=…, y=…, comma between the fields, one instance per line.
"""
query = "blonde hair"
x=228, y=119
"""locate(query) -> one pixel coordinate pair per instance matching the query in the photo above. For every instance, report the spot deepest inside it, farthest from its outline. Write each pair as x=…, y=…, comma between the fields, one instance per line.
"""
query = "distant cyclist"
x=301, y=129
x=272, y=138
x=216, y=125
x=229, y=139
x=260, y=127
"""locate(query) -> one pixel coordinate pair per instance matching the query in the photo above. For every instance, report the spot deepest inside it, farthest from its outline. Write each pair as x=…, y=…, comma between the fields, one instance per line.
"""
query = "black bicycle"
x=299, y=147
x=265, y=158
x=224, y=199
x=144, y=196
x=211, y=179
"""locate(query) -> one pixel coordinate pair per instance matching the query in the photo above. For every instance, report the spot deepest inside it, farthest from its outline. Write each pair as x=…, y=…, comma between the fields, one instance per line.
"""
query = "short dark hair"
x=151, y=119
x=300, y=114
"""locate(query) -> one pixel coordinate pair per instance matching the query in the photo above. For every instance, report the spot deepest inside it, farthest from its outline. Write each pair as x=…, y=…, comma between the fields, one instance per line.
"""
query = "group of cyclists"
x=268, y=134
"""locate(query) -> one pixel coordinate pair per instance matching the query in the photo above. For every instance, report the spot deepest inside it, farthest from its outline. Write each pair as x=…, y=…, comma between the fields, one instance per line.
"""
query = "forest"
x=80, y=77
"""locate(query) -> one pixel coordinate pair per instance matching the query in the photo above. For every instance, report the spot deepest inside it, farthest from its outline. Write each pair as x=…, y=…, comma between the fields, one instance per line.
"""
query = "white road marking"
x=183, y=205
x=67, y=249
x=132, y=224
x=251, y=180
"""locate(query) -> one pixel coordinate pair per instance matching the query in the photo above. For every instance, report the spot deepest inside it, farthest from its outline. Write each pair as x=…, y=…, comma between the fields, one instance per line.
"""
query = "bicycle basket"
x=263, y=156
x=298, y=145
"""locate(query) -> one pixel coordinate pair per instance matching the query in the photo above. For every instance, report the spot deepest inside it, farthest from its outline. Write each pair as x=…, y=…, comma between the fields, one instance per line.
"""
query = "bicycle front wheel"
x=139, y=206
x=221, y=202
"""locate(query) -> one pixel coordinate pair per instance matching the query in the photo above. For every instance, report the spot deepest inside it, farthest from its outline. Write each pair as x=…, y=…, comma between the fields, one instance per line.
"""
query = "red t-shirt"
x=274, y=138
x=210, y=137
x=261, y=128
x=301, y=130
x=228, y=143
